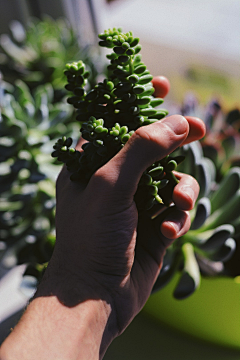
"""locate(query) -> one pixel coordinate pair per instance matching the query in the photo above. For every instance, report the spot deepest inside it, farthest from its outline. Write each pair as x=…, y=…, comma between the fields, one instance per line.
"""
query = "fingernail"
x=177, y=123
x=173, y=225
x=188, y=191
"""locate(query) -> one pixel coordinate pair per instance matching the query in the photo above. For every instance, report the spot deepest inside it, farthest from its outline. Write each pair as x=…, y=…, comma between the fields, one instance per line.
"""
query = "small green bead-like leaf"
x=145, y=79
x=86, y=74
x=102, y=36
x=133, y=78
x=125, y=45
x=72, y=100
x=134, y=42
x=149, y=90
x=80, y=80
x=157, y=171
x=119, y=50
x=98, y=129
x=109, y=85
x=139, y=89
x=140, y=69
x=144, y=100
x=123, y=58
x=137, y=59
x=104, y=43
x=159, y=114
x=137, y=49
x=148, y=112
x=146, y=179
x=153, y=190
x=156, y=102
x=68, y=142
x=79, y=91
x=125, y=138
x=70, y=87
x=171, y=165
x=91, y=95
x=124, y=86
x=123, y=130
x=130, y=52
x=114, y=132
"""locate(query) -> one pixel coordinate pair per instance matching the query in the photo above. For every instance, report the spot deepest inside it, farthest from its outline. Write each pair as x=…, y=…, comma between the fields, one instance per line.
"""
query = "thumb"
x=147, y=145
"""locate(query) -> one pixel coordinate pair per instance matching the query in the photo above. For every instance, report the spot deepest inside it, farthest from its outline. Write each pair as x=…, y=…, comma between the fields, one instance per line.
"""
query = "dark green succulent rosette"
x=110, y=113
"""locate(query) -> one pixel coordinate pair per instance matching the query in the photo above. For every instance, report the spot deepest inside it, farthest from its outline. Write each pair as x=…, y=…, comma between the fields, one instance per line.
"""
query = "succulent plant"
x=38, y=54
x=29, y=126
x=110, y=113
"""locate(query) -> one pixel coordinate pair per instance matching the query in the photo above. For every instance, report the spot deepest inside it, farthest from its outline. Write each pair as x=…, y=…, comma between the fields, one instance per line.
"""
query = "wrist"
x=81, y=297
x=64, y=317
x=50, y=330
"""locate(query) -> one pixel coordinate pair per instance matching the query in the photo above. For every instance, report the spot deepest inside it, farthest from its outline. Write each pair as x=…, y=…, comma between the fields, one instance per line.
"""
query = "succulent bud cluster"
x=111, y=112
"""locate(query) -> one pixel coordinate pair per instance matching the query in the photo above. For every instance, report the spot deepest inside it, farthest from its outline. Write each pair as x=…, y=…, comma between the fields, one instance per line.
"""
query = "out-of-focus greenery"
x=38, y=54
x=30, y=124
x=33, y=114
x=207, y=82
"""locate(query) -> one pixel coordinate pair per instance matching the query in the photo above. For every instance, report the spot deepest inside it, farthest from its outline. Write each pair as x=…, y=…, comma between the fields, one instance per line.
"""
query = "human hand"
x=102, y=245
x=107, y=257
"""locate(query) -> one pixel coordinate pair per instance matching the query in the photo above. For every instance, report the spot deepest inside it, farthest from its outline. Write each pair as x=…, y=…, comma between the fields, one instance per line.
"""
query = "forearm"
x=52, y=331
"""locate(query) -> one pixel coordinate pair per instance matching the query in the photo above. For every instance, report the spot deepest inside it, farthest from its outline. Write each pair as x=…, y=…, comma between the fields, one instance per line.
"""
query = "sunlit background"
x=196, y=44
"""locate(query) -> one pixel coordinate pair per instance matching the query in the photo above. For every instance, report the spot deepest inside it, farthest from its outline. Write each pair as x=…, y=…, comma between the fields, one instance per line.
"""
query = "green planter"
x=211, y=314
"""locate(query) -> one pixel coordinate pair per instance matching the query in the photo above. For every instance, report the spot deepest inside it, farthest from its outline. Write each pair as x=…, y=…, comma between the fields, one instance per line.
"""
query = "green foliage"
x=29, y=126
x=38, y=54
x=110, y=113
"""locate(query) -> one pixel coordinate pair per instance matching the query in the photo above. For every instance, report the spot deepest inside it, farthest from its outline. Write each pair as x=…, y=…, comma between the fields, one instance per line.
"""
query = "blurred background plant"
x=30, y=124
x=34, y=113
x=38, y=54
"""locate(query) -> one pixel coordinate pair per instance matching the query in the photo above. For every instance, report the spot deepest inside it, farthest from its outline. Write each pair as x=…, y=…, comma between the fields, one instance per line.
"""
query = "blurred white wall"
x=208, y=30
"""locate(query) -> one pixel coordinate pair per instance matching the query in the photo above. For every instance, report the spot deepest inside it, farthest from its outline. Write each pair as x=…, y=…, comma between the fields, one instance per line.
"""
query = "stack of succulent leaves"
x=29, y=126
x=110, y=113
x=211, y=241
x=37, y=55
